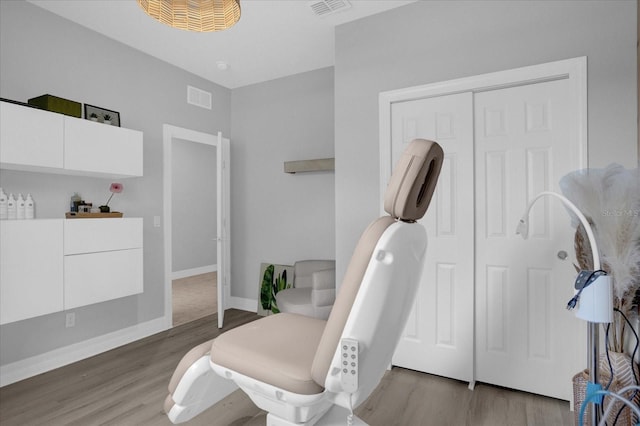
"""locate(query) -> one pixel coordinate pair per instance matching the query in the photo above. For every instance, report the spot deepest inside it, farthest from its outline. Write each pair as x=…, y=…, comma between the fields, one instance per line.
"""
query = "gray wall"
x=193, y=211
x=431, y=41
x=43, y=53
x=279, y=217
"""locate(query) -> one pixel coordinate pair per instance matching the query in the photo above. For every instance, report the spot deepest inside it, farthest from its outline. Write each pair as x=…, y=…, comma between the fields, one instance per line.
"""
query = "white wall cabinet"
x=31, y=279
x=51, y=265
x=96, y=148
x=43, y=141
x=30, y=138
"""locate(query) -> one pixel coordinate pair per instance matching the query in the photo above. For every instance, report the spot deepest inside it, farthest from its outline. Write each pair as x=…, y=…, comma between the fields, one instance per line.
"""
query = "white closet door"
x=438, y=338
x=525, y=141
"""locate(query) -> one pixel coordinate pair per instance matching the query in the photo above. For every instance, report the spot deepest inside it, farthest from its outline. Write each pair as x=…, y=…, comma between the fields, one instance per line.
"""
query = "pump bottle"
x=11, y=207
x=20, y=207
x=29, y=207
x=3, y=205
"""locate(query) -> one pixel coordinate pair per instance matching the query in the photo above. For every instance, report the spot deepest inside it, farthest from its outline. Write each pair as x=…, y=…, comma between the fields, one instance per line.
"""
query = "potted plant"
x=106, y=119
x=93, y=116
x=610, y=200
x=115, y=188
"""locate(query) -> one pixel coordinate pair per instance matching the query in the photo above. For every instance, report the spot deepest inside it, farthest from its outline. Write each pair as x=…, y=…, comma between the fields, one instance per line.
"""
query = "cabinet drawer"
x=30, y=268
x=94, y=235
x=98, y=277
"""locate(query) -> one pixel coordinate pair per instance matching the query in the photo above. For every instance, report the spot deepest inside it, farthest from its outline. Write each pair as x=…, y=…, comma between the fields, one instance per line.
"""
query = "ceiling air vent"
x=327, y=7
x=198, y=97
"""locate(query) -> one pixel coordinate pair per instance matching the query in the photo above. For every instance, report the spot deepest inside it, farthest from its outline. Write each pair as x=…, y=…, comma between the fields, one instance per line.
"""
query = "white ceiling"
x=273, y=39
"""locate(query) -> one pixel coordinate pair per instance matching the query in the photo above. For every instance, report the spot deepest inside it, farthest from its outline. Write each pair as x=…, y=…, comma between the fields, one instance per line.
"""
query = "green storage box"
x=56, y=104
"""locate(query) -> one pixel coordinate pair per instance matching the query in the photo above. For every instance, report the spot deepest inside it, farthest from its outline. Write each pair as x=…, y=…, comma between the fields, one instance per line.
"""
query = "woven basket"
x=579, y=395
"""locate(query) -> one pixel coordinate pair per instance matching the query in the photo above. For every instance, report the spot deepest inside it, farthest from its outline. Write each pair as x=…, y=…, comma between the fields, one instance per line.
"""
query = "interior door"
x=222, y=188
x=525, y=141
x=223, y=239
x=438, y=338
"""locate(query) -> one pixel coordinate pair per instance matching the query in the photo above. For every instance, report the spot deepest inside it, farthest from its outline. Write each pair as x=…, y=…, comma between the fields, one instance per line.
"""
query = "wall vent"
x=327, y=7
x=198, y=97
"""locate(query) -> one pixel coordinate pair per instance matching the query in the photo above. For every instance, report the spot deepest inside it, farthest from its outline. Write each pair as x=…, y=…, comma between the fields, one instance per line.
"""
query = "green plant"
x=106, y=117
x=93, y=115
x=270, y=286
x=265, y=288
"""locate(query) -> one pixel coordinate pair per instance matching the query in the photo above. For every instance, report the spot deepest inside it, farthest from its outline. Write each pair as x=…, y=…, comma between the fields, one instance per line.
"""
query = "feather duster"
x=610, y=199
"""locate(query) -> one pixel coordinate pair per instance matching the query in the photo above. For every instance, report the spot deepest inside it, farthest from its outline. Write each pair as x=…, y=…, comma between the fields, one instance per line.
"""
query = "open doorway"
x=194, y=230
x=196, y=225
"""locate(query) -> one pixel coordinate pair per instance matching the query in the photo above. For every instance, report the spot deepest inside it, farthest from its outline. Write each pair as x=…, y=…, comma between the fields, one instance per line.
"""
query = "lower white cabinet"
x=98, y=277
x=103, y=260
x=30, y=268
x=51, y=265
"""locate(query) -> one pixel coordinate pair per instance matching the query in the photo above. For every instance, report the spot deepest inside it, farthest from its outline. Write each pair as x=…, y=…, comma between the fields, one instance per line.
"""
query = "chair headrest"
x=414, y=180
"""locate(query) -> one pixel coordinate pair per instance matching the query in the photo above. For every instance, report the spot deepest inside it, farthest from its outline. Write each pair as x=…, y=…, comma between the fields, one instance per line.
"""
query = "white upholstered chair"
x=298, y=368
x=314, y=289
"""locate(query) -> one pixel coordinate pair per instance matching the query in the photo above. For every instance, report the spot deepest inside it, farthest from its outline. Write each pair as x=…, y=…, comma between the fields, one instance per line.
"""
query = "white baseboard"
x=193, y=271
x=249, y=305
x=29, y=367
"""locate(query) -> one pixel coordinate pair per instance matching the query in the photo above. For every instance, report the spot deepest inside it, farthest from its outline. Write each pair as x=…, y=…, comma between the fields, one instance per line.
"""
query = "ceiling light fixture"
x=194, y=15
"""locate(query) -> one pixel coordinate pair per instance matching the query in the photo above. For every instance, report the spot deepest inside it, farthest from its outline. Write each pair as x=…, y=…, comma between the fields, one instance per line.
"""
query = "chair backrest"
x=303, y=271
x=407, y=197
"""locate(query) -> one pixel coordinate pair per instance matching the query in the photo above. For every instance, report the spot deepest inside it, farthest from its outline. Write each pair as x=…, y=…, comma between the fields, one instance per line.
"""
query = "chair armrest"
x=323, y=290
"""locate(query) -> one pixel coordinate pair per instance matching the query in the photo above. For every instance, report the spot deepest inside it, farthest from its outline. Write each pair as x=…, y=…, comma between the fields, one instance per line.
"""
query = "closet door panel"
x=524, y=143
x=438, y=337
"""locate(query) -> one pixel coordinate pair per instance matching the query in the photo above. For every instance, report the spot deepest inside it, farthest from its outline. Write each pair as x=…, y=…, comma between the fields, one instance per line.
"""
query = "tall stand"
x=593, y=360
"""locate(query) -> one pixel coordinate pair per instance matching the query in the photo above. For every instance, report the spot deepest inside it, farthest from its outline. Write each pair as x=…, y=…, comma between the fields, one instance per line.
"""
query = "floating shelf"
x=316, y=165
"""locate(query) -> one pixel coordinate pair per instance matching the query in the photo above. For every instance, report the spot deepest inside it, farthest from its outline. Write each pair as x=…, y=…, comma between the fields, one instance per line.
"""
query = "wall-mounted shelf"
x=316, y=165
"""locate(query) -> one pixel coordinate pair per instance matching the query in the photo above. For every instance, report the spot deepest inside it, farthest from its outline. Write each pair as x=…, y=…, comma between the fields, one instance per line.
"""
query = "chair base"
x=336, y=416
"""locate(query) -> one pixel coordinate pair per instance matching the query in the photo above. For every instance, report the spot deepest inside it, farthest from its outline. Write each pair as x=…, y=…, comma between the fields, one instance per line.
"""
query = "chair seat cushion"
x=278, y=350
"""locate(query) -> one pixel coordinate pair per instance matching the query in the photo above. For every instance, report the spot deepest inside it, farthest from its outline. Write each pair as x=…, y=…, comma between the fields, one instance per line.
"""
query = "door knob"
x=562, y=255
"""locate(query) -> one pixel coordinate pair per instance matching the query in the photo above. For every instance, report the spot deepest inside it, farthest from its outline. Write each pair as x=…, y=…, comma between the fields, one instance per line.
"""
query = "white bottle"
x=3, y=205
x=20, y=204
x=11, y=207
x=29, y=208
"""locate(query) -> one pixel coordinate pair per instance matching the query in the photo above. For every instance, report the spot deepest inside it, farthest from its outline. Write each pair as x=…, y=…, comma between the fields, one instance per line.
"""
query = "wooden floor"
x=194, y=297
x=127, y=386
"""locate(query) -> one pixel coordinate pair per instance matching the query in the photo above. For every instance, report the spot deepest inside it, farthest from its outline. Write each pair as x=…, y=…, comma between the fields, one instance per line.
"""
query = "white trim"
x=176, y=275
x=242, y=303
x=169, y=133
x=575, y=70
x=29, y=367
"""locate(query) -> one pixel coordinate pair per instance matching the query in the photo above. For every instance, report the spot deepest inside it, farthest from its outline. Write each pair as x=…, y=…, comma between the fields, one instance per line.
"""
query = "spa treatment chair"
x=309, y=371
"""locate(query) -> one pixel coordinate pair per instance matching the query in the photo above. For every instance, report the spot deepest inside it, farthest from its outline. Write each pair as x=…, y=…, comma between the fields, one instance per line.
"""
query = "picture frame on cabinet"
x=101, y=115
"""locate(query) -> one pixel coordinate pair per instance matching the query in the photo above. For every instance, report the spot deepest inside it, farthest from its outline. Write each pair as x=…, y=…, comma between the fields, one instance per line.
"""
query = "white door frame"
x=575, y=70
x=169, y=133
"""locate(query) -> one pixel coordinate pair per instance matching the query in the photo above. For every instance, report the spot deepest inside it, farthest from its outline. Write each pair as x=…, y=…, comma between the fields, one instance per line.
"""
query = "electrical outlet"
x=156, y=221
x=70, y=320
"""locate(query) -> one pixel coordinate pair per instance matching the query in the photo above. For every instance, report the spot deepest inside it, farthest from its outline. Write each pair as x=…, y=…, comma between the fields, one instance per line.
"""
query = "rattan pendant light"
x=194, y=15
